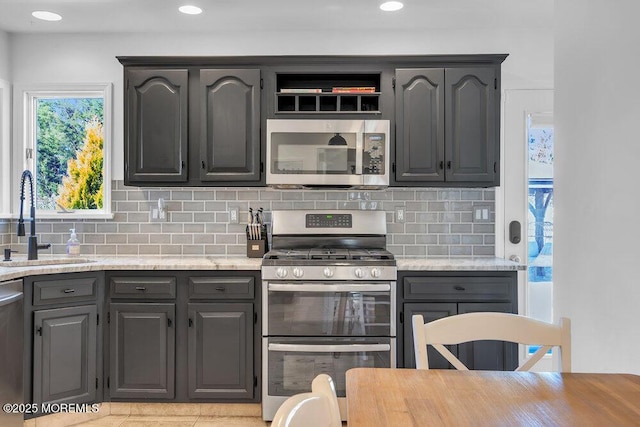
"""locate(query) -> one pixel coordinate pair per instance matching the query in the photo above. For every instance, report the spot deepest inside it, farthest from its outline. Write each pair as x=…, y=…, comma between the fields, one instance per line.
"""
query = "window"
x=540, y=138
x=5, y=153
x=67, y=141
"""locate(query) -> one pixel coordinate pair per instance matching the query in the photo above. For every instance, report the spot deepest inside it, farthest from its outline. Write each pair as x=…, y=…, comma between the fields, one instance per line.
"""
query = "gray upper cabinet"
x=64, y=355
x=447, y=122
x=471, y=123
x=156, y=123
x=419, y=125
x=191, y=125
x=229, y=125
x=198, y=121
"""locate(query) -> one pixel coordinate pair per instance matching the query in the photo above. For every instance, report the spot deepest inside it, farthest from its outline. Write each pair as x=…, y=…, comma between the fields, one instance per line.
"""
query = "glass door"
x=525, y=201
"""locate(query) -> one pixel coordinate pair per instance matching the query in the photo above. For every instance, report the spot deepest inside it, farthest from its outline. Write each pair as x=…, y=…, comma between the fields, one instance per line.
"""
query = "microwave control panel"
x=373, y=159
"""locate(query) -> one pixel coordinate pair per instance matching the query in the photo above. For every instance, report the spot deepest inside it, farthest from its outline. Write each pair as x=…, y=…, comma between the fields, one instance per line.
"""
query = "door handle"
x=514, y=232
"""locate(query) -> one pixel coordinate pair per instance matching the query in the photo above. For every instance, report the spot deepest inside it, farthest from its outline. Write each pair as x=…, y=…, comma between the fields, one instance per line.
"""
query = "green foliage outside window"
x=64, y=129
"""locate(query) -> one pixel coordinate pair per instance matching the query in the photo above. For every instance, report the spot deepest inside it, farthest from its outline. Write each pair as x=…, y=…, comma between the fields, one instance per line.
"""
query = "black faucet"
x=33, y=246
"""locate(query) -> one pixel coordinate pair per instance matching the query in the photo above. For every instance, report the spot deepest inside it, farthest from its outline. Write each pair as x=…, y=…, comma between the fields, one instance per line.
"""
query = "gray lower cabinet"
x=63, y=338
x=220, y=350
x=440, y=294
x=447, y=126
x=183, y=336
x=64, y=355
x=142, y=350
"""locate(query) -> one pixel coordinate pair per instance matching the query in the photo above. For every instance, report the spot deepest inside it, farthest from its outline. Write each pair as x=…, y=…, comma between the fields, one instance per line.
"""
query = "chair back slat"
x=507, y=327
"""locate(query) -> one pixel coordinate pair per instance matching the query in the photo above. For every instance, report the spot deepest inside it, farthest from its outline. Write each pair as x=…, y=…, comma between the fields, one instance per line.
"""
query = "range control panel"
x=316, y=220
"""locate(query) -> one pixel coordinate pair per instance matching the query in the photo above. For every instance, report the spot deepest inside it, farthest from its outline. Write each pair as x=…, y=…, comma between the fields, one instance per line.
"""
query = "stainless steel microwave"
x=327, y=153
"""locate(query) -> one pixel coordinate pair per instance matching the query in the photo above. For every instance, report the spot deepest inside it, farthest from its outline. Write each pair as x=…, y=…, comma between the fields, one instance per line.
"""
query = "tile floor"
x=158, y=414
x=174, y=421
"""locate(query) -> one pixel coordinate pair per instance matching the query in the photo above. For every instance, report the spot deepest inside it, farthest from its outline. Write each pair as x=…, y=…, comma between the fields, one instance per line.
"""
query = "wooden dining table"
x=440, y=397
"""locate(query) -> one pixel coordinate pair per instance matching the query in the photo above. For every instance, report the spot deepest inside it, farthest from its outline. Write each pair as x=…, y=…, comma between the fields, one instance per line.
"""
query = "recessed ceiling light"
x=391, y=6
x=190, y=9
x=46, y=16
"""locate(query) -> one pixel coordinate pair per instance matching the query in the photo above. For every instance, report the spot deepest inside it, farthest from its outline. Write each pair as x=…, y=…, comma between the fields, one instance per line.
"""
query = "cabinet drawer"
x=143, y=287
x=459, y=288
x=221, y=287
x=65, y=290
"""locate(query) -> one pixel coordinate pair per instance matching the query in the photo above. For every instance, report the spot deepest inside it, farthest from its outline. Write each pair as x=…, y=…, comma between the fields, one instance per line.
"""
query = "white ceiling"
x=150, y=16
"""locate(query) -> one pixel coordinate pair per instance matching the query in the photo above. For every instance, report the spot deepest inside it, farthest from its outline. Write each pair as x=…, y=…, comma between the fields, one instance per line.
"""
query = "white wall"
x=91, y=58
x=596, y=242
x=5, y=73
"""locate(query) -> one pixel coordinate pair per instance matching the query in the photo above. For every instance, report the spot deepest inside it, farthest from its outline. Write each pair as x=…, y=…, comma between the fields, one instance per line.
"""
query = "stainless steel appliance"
x=11, y=352
x=329, y=291
x=320, y=153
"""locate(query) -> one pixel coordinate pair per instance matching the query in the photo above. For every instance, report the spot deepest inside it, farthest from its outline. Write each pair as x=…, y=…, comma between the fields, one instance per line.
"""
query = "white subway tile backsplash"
x=439, y=221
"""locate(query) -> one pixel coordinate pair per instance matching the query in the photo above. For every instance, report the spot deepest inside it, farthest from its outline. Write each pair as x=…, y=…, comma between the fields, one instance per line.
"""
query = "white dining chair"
x=508, y=327
x=319, y=408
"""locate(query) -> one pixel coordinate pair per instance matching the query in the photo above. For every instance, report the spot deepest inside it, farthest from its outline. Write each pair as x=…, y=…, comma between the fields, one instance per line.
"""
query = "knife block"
x=256, y=248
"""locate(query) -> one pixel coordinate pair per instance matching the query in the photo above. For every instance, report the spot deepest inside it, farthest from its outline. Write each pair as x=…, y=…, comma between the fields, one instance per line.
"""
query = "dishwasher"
x=11, y=351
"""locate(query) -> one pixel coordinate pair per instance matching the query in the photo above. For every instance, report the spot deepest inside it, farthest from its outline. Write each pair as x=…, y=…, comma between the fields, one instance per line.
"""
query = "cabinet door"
x=430, y=312
x=419, y=125
x=142, y=350
x=64, y=355
x=471, y=122
x=156, y=125
x=221, y=350
x=230, y=125
x=488, y=355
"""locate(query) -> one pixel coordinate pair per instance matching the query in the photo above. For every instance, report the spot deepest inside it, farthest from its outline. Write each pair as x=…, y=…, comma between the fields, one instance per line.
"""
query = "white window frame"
x=5, y=149
x=24, y=127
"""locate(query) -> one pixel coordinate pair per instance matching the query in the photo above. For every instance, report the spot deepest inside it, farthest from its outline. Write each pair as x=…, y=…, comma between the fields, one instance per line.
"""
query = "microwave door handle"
x=359, y=151
x=284, y=287
x=340, y=348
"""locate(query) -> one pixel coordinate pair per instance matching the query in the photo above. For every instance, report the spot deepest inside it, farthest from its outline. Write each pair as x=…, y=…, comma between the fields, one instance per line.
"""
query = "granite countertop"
x=91, y=263
x=458, y=264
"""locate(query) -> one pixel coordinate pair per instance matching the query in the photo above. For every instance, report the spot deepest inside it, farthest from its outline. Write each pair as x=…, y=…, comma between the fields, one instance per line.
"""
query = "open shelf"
x=313, y=93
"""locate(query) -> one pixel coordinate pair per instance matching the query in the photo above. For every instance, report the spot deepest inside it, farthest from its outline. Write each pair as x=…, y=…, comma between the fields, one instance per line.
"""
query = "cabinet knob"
x=203, y=165
x=441, y=164
x=221, y=289
x=449, y=164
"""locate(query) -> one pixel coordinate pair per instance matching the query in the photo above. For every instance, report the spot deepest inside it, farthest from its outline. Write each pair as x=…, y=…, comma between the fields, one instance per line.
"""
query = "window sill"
x=70, y=215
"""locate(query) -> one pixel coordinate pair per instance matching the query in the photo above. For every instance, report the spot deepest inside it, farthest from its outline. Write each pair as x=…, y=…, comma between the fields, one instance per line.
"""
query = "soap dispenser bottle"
x=73, y=244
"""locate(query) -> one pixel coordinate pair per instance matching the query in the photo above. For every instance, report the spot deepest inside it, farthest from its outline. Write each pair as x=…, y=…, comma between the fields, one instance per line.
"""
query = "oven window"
x=313, y=153
x=292, y=370
x=329, y=313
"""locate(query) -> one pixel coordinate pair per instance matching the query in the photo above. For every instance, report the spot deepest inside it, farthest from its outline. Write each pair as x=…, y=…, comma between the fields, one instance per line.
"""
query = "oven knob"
x=281, y=272
x=375, y=272
x=359, y=273
x=328, y=272
x=298, y=272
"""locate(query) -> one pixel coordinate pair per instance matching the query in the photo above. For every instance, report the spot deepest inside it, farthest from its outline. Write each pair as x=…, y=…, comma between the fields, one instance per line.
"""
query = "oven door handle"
x=329, y=348
x=309, y=287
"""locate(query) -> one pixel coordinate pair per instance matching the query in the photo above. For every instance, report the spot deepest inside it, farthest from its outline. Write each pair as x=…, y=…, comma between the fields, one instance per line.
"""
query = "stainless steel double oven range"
x=329, y=291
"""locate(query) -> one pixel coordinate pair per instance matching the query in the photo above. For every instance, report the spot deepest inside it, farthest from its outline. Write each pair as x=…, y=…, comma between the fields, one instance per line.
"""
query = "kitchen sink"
x=43, y=261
